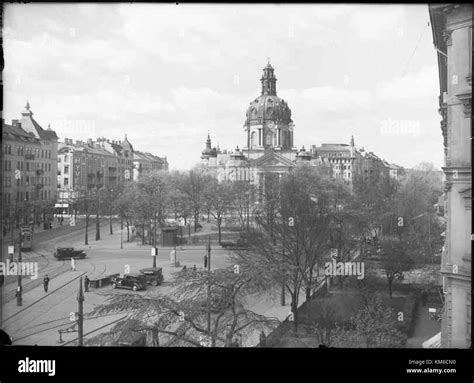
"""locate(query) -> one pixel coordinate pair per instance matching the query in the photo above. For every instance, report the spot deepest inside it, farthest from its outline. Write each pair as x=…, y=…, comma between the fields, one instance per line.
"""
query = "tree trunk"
x=196, y=220
x=308, y=293
x=128, y=233
x=97, y=227
x=111, y=231
x=308, y=286
x=219, y=224
x=86, y=241
x=294, y=310
x=390, y=282
x=282, y=296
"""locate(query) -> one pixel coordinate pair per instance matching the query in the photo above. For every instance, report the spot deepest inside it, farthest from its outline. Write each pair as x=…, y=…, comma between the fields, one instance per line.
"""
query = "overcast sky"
x=165, y=75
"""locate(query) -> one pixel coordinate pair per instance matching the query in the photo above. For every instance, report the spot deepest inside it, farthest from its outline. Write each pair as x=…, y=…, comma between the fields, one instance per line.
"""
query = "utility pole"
x=121, y=232
x=19, y=288
x=80, y=317
x=97, y=224
x=209, y=285
x=154, y=241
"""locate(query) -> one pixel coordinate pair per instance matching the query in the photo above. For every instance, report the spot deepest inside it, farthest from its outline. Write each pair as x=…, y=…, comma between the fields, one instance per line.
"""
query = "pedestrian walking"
x=62, y=220
x=86, y=284
x=46, y=283
x=73, y=265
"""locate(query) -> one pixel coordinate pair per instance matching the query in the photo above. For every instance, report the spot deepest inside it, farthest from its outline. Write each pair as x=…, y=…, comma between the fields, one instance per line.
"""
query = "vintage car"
x=133, y=282
x=153, y=275
x=62, y=253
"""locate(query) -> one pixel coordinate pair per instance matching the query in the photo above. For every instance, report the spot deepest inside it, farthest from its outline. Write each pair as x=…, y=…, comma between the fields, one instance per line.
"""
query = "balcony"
x=30, y=157
x=39, y=172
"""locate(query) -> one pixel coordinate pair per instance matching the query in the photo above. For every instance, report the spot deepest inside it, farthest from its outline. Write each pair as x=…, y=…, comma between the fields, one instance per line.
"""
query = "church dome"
x=268, y=106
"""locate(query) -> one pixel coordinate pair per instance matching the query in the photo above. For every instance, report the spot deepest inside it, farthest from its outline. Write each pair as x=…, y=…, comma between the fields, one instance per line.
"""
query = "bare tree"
x=218, y=198
x=181, y=317
x=372, y=326
x=192, y=185
x=394, y=261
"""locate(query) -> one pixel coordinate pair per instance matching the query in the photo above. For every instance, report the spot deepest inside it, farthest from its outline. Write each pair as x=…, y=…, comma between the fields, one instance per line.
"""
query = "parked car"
x=153, y=275
x=134, y=282
x=62, y=253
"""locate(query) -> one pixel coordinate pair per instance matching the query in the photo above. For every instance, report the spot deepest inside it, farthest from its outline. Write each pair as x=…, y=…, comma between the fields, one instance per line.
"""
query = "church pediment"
x=273, y=159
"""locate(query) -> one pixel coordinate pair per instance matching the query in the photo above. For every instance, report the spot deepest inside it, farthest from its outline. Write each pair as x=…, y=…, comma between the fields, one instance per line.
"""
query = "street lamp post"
x=19, y=288
x=80, y=319
x=97, y=223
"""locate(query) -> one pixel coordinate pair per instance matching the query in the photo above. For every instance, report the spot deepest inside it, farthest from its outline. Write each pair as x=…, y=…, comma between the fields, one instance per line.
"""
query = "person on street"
x=86, y=284
x=73, y=265
x=46, y=283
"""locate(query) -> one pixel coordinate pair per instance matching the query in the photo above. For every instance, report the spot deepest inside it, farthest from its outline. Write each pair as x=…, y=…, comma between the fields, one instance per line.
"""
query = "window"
x=27, y=166
x=27, y=195
x=66, y=170
x=66, y=181
x=49, y=167
x=66, y=158
x=59, y=159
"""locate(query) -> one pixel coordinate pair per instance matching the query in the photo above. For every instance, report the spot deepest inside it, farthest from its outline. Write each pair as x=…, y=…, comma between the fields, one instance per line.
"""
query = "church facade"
x=269, y=145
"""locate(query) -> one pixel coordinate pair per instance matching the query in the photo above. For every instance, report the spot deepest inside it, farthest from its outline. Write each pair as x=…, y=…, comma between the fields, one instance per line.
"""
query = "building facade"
x=29, y=163
x=269, y=148
x=145, y=162
x=452, y=36
x=90, y=165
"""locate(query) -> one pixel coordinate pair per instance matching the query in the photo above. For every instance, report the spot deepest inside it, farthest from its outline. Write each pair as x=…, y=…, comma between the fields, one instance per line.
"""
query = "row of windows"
x=26, y=166
x=340, y=161
x=343, y=175
x=27, y=181
x=344, y=167
x=42, y=195
x=22, y=150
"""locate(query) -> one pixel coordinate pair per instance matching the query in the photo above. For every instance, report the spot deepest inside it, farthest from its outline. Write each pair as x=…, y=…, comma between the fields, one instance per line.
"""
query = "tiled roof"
x=147, y=156
x=333, y=147
x=17, y=132
x=48, y=134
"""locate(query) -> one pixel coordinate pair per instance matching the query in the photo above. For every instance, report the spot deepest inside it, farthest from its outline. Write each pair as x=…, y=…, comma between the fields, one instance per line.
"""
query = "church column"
x=259, y=136
x=279, y=137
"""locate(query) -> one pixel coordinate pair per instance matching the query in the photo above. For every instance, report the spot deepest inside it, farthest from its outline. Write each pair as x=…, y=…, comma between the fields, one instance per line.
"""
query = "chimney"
x=89, y=141
x=16, y=123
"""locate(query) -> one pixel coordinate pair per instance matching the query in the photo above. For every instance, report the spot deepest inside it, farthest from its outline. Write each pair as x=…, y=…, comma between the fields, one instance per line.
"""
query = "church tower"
x=268, y=123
